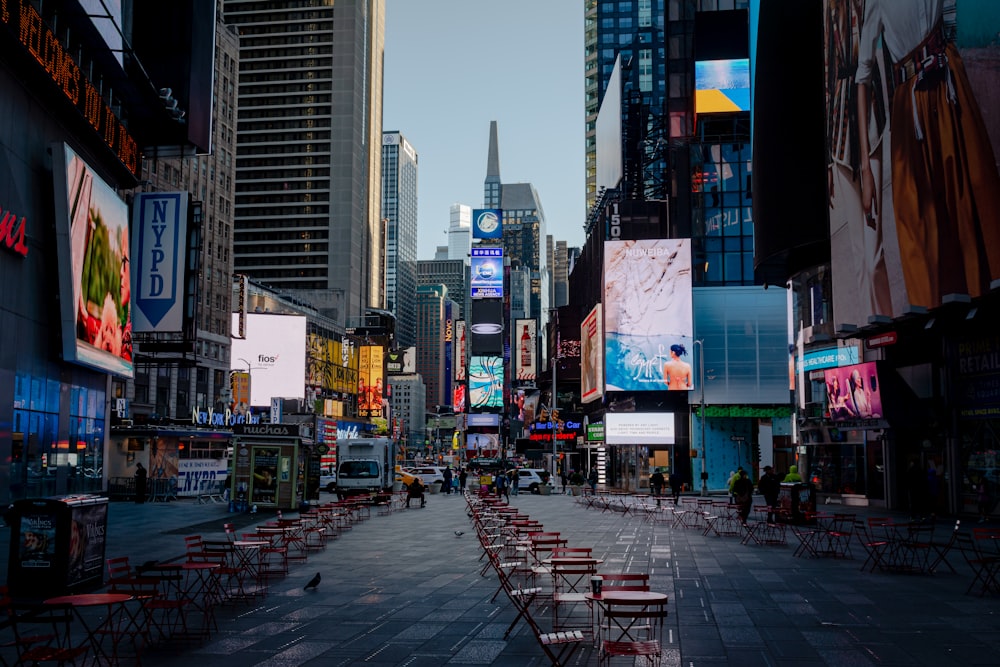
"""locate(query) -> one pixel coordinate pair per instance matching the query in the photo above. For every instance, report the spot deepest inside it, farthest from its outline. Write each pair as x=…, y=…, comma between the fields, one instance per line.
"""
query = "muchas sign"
x=12, y=233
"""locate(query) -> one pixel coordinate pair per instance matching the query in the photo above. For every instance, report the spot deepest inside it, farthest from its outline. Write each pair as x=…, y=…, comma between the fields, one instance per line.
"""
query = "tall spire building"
x=523, y=226
x=309, y=141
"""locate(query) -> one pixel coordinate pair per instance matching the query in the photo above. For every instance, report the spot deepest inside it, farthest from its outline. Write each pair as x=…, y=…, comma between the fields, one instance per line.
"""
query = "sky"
x=451, y=67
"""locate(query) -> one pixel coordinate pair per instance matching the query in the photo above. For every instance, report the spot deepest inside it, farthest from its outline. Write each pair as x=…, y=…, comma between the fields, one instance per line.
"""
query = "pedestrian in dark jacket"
x=675, y=486
x=743, y=492
x=770, y=488
x=656, y=482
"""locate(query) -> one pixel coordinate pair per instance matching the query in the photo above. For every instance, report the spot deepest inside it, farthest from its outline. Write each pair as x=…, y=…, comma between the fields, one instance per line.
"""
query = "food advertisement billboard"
x=93, y=250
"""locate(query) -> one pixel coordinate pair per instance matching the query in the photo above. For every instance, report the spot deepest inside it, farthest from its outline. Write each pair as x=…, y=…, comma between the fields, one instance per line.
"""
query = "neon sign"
x=12, y=233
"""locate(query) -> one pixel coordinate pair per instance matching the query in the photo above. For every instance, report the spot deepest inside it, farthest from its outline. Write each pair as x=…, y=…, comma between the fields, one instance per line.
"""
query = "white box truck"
x=365, y=465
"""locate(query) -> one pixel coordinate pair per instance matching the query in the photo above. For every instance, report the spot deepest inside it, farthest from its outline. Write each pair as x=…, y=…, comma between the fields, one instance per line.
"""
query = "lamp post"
x=701, y=384
x=555, y=395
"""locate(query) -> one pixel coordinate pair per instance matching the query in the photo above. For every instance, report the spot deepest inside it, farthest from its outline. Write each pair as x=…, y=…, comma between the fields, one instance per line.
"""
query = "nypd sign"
x=159, y=224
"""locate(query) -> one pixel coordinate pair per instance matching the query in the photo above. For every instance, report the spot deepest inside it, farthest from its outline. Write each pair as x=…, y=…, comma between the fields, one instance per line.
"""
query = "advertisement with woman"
x=647, y=315
x=912, y=180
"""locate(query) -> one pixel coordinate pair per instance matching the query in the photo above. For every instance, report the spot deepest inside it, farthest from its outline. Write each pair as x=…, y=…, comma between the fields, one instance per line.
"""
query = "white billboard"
x=639, y=428
x=525, y=349
x=274, y=353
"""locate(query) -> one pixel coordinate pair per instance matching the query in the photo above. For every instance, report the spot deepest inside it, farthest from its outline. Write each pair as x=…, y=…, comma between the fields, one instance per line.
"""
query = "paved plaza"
x=404, y=590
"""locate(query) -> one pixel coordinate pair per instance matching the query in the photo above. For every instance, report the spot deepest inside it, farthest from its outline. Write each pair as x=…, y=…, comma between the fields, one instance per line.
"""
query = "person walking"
x=140, y=483
x=743, y=493
x=592, y=479
x=447, y=480
x=770, y=488
x=675, y=486
x=732, y=481
x=656, y=483
x=515, y=481
x=463, y=477
x=501, y=484
x=563, y=478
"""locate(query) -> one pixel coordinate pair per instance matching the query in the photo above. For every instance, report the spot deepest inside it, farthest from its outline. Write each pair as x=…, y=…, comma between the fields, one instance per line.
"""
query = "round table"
x=110, y=625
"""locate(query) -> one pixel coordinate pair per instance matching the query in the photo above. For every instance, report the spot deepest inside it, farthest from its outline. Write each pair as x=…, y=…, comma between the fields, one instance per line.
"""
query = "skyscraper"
x=435, y=326
x=309, y=150
x=460, y=232
x=399, y=210
x=523, y=225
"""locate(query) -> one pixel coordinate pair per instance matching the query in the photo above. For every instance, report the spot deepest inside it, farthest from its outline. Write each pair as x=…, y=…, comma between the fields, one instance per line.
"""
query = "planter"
x=397, y=487
x=435, y=487
x=545, y=490
x=576, y=489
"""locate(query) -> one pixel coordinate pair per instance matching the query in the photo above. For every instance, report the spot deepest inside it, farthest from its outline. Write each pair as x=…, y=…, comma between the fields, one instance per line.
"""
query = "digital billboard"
x=486, y=328
x=486, y=382
x=370, y=381
x=913, y=180
x=461, y=353
x=486, y=273
x=93, y=249
x=159, y=241
x=639, y=428
x=853, y=392
x=525, y=346
x=274, y=354
x=647, y=315
x=591, y=356
x=482, y=444
x=487, y=223
x=722, y=86
x=401, y=362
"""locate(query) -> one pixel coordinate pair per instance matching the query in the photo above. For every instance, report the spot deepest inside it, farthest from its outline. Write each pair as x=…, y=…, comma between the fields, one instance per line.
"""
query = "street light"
x=701, y=383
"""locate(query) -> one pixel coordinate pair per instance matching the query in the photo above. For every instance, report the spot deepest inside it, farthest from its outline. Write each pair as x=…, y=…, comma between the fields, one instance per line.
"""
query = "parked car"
x=530, y=478
x=328, y=482
x=427, y=474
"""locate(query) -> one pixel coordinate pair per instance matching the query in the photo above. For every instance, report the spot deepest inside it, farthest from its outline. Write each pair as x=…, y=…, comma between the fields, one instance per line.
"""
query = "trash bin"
x=797, y=498
x=57, y=545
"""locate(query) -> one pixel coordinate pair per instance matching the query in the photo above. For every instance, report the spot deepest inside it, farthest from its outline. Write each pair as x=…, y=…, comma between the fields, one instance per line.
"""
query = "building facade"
x=309, y=142
x=167, y=385
x=409, y=405
x=399, y=211
x=435, y=329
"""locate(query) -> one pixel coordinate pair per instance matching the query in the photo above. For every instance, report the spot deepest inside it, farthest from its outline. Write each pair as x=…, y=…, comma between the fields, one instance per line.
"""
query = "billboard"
x=639, y=428
x=853, y=392
x=486, y=329
x=525, y=345
x=608, y=131
x=722, y=86
x=913, y=176
x=401, y=362
x=487, y=223
x=486, y=273
x=93, y=250
x=458, y=398
x=591, y=357
x=159, y=234
x=274, y=354
x=460, y=365
x=482, y=444
x=486, y=382
x=647, y=315
x=370, y=381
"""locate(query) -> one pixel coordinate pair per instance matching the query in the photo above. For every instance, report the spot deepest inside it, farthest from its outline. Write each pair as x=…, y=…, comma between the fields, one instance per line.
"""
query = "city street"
x=403, y=589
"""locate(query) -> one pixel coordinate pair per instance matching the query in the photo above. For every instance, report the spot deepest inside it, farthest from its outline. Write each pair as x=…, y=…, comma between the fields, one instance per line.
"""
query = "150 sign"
x=12, y=233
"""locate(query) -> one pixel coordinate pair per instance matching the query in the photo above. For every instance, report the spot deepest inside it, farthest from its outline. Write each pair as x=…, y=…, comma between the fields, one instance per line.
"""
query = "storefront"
x=270, y=464
x=179, y=461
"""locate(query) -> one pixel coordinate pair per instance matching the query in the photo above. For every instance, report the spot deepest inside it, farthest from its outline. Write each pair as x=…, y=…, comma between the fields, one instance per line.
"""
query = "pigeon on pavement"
x=313, y=583
x=459, y=533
